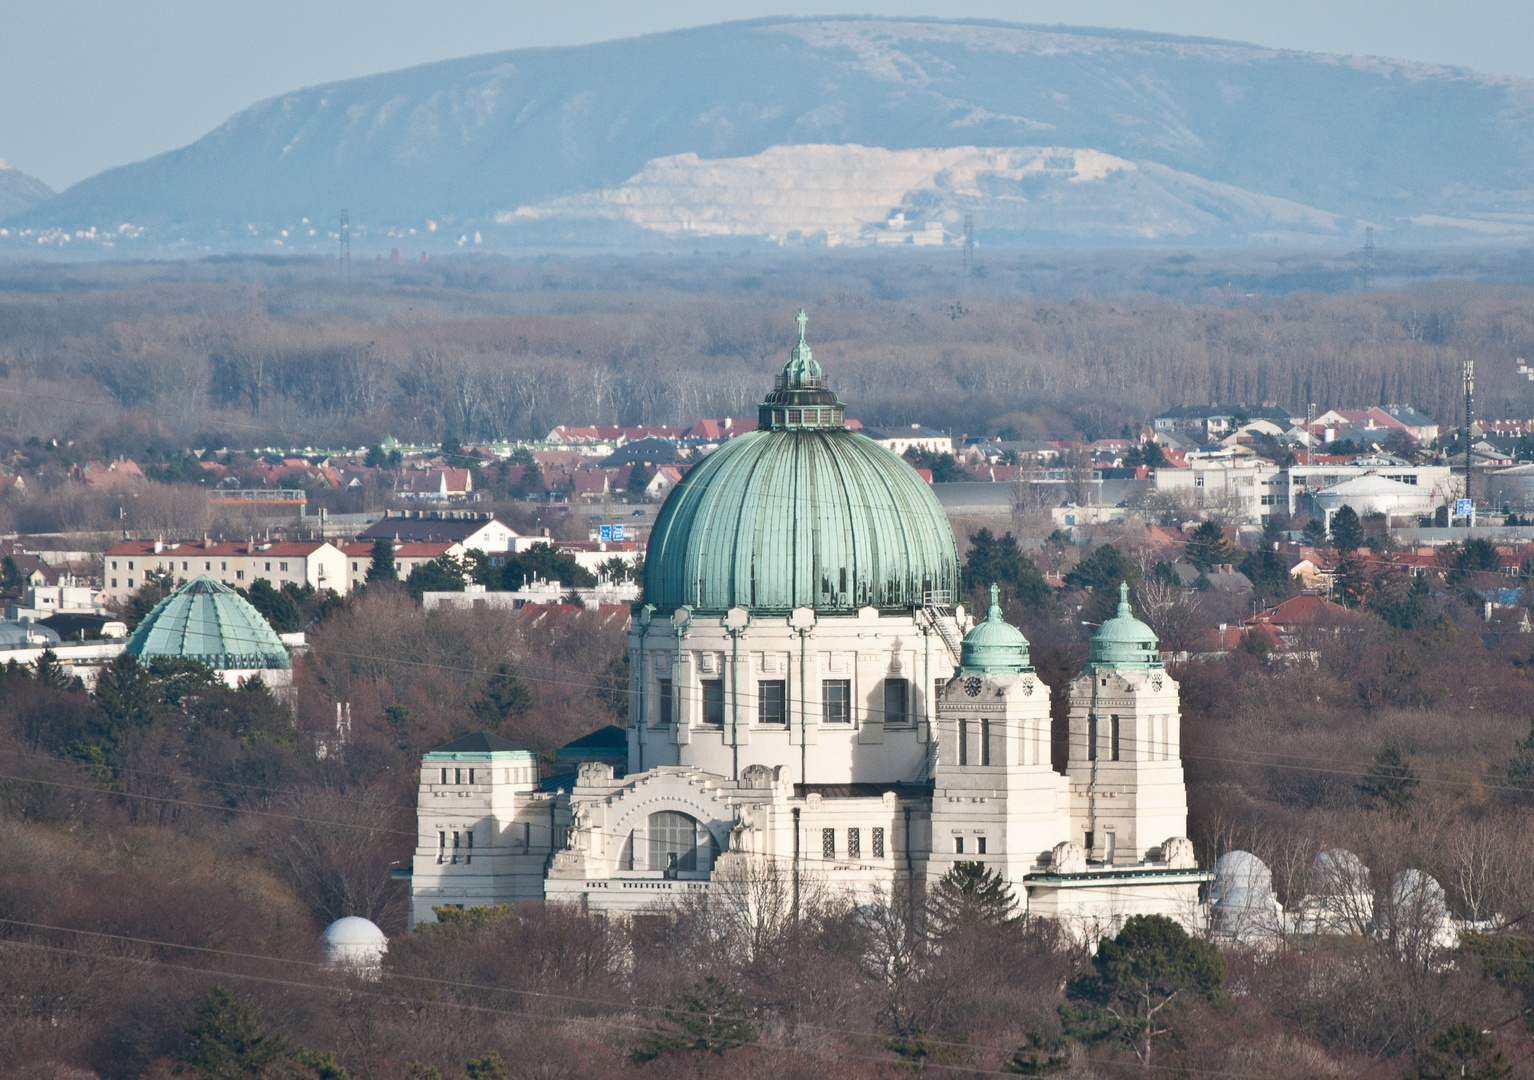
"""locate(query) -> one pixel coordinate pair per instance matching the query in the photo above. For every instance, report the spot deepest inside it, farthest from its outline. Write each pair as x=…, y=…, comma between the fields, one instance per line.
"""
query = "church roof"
x=994, y=645
x=1124, y=642
x=207, y=621
x=480, y=742
x=801, y=512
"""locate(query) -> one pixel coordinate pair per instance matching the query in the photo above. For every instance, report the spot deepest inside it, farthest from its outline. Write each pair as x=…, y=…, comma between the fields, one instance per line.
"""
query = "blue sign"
x=1462, y=508
x=606, y=532
x=617, y=532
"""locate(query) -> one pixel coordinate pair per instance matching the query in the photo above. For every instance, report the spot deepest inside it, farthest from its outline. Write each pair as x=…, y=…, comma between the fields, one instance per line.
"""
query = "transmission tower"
x=1469, y=416
x=346, y=240
x=969, y=244
x=1368, y=255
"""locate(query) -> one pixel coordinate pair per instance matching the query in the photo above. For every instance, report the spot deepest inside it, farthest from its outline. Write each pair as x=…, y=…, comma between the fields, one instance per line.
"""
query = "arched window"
x=673, y=835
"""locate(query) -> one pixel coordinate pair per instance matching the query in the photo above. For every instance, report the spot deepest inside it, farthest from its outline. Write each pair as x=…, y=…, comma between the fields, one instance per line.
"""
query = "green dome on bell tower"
x=1124, y=642
x=995, y=645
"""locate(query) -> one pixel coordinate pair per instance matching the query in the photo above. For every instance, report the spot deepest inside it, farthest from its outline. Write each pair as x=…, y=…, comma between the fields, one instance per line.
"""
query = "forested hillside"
x=216, y=354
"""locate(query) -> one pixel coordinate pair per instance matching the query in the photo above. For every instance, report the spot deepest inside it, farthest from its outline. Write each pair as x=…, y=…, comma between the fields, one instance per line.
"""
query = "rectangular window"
x=130, y=564
x=828, y=843
x=1198, y=481
x=239, y=575
x=457, y=776
x=958, y=845
x=985, y=742
x=354, y=567
x=471, y=776
x=1113, y=737
x=979, y=845
x=444, y=776
x=442, y=847
x=223, y=566
x=456, y=842
x=772, y=702
x=854, y=843
x=207, y=565
x=114, y=583
x=130, y=583
x=114, y=564
x=878, y=843
x=282, y=566
x=1091, y=736
x=836, y=700
x=665, y=702
x=713, y=702
x=963, y=742
x=183, y=564
x=469, y=855
x=897, y=696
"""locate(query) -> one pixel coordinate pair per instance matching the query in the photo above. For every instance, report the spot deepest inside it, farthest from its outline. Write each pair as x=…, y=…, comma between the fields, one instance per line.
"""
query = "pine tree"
x=713, y=1018
x=504, y=696
x=1463, y=1052
x=225, y=1041
x=1389, y=781
x=1208, y=548
x=970, y=895
x=382, y=567
x=1347, y=531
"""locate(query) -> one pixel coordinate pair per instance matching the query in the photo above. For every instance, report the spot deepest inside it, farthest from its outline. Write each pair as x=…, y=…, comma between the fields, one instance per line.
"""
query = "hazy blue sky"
x=87, y=84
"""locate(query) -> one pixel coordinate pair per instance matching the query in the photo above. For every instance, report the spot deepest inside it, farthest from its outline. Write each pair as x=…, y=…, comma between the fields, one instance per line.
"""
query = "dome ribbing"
x=209, y=622
x=800, y=513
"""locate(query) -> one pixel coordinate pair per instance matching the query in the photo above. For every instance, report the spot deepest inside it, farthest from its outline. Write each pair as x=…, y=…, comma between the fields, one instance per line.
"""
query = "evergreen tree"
x=1269, y=574
x=382, y=567
x=1314, y=533
x=504, y=696
x=488, y=1066
x=1347, y=531
x=10, y=576
x=442, y=574
x=1350, y=585
x=1039, y=1056
x=225, y=1041
x=542, y=561
x=1389, y=783
x=1520, y=770
x=712, y=1018
x=1463, y=1052
x=970, y=895
x=639, y=478
x=999, y=560
x=1141, y=978
x=1208, y=548
x=277, y=606
x=1102, y=571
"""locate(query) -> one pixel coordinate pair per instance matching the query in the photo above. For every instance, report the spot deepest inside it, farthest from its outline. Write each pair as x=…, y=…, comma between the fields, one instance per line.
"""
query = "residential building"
x=407, y=556
x=468, y=529
x=1218, y=420
x=921, y=439
x=297, y=562
x=1305, y=481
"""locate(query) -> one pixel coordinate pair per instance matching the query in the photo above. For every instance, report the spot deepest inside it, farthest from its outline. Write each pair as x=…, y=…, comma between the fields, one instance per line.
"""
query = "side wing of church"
x=809, y=706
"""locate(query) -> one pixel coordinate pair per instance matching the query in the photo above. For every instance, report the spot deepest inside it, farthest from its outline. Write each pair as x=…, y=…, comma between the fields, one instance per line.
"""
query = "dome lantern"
x=800, y=398
x=1124, y=642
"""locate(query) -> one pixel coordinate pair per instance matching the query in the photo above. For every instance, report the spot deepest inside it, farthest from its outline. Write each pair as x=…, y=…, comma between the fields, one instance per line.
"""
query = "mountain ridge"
x=441, y=153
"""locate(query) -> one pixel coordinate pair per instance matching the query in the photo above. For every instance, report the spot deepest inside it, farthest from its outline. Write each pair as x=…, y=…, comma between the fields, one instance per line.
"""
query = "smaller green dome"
x=995, y=645
x=1124, y=641
x=206, y=621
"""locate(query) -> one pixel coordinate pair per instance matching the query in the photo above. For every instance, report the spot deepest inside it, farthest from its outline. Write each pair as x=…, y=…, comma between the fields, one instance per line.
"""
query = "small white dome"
x=354, y=942
x=1242, y=896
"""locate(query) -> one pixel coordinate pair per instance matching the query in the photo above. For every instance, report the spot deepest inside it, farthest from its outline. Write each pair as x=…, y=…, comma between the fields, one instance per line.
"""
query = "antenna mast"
x=346, y=241
x=1469, y=416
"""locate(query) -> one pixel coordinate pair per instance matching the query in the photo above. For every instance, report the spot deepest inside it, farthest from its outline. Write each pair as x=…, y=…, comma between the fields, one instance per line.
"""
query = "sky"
x=89, y=84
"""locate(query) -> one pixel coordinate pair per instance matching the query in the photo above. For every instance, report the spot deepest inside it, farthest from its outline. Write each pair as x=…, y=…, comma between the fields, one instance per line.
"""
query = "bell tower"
x=995, y=798
x=1125, y=762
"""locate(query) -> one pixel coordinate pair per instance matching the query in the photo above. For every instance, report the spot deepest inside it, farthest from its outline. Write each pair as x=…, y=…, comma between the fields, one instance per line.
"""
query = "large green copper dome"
x=800, y=513
x=204, y=620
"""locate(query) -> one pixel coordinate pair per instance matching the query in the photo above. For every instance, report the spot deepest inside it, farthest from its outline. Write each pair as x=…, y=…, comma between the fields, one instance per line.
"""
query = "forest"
x=147, y=360
x=170, y=850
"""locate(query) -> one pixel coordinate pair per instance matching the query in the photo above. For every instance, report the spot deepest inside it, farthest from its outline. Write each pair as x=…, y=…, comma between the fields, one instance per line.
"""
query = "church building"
x=810, y=704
